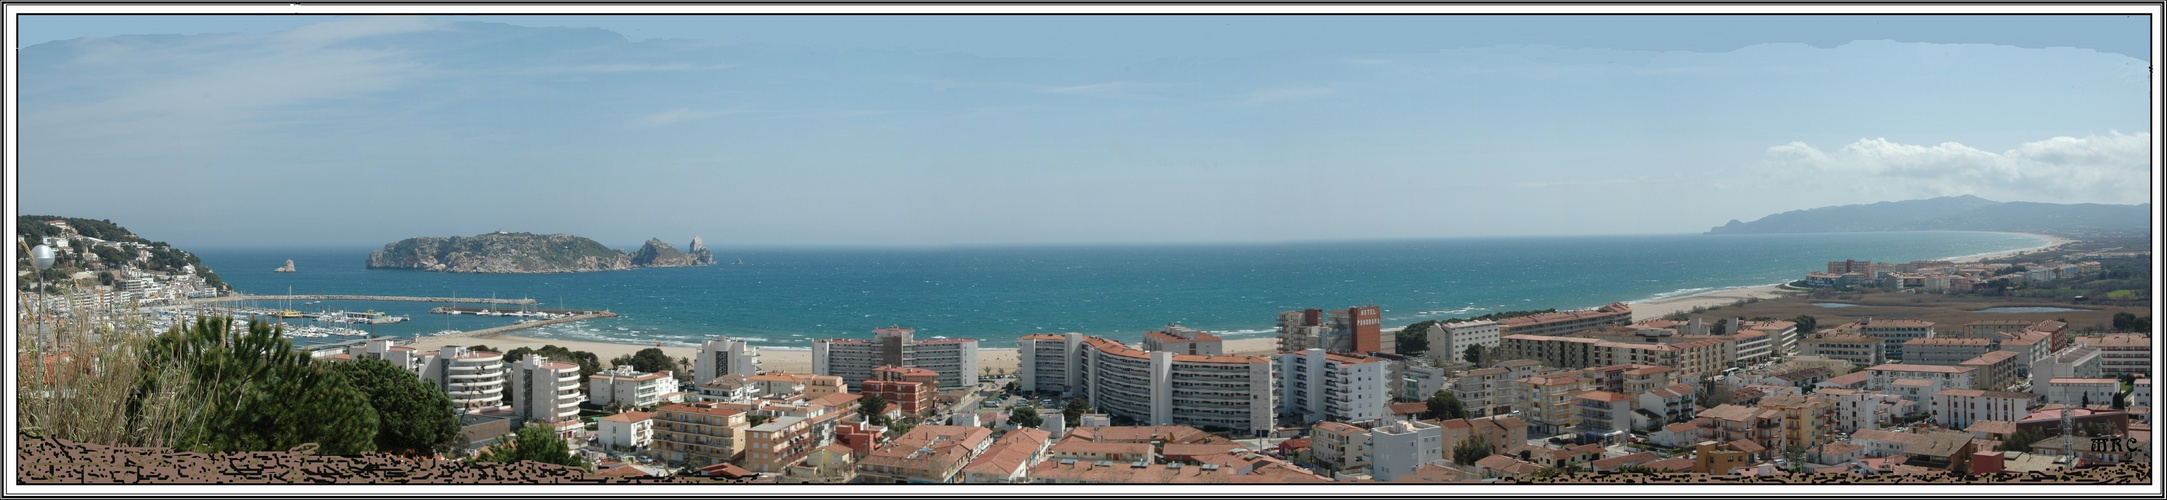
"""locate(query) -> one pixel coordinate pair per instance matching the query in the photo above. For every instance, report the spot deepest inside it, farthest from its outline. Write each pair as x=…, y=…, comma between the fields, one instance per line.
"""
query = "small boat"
x=739, y=261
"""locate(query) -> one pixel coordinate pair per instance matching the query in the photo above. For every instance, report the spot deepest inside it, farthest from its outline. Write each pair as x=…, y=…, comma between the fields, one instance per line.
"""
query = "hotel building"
x=955, y=359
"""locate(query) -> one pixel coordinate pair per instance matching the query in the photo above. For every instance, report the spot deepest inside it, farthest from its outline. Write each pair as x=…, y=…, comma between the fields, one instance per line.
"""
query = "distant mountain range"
x=1950, y=213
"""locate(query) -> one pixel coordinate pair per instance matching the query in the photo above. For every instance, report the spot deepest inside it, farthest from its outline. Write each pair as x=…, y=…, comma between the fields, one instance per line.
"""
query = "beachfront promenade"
x=383, y=298
x=491, y=332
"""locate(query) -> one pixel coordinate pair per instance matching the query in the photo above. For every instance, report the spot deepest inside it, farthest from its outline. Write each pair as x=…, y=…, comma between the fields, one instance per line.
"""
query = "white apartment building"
x=955, y=360
x=2078, y=361
x=2123, y=353
x=1155, y=387
x=640, y=390
x=1450, y=340
x=1950, y=377
x=1950, y=351
x=545, y=391
x=473, y=379
x=1399, y=447
x=1858, y=349
x=400, y=356
x=1892, y=332
x=1958, y=408
x=630, y=430
x=2141, y=392
x=2072, y=391
x=1315, y=385
x=723, y=355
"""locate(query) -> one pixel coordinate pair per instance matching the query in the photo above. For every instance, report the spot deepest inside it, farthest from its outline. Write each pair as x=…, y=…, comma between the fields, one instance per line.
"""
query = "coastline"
x=1004, y=359
x=2053, y=242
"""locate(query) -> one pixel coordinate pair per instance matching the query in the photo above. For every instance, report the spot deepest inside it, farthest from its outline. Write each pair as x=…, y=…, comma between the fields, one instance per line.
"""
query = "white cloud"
x=2093, y=169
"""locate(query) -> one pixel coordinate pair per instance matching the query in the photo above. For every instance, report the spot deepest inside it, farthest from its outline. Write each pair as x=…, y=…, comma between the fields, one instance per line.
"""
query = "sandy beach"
x=2053, y=242
x=1664, y=307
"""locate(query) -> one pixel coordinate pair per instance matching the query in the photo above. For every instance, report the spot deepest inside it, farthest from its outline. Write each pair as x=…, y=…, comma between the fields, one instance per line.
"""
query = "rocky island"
x=508, y=253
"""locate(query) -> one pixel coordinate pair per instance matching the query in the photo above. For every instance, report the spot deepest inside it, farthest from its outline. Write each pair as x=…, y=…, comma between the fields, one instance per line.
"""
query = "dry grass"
x=1944, y=310
x=77, y=381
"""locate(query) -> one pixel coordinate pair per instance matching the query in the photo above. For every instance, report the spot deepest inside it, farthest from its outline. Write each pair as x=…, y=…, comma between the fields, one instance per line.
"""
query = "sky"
x=1004, y=130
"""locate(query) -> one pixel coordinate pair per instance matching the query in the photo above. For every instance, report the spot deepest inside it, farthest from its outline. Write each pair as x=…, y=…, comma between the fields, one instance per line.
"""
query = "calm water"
x=2026, y=309
x=786, y=297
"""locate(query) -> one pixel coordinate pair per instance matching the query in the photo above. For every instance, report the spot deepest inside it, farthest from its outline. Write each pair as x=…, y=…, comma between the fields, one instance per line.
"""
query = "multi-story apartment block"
x=1763, y=428
x=632, y=430
x=1399, y=447
x=1413, y=378
x=723, y=355
x=1892, y=332
x=1451, y=340
x=1157, y=387
x=1994, y=370
x=2078, y=361
x=1784, y=335
x=1752, y=347
x=1561, y=323
x=1301, y=330
x=955, y=359
x=1944, y=351
x=1858, y=349
x=1545, y=402
x=928, y=454
x=1989, y=328
x=1499, y=432
x=1044, y=362
x=1669, y=403
x=1603, y=411
x=1339, y=447
x=1808, y=421
x=547, y=392
x=1958, y=408
x=2123, y=353
x=1856, y=409
x=2032, y=346
x=400, y=356
x=1696, y=356
x=1176, y=339
x=1561, y=352
x=1484, y=392
x=773, y=445
x=1355, y=330
x=1315, y=385
x=911, y=389
x=1949, y=377
x=473, y=379
x=2055, y=330
x=699, y=434
x=2079, y=391
x=640, y=390
x=1851, y=266
x=2140, y=393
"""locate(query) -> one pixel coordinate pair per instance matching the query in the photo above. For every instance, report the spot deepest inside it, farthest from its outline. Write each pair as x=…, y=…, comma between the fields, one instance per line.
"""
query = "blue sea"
x=787, y=297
